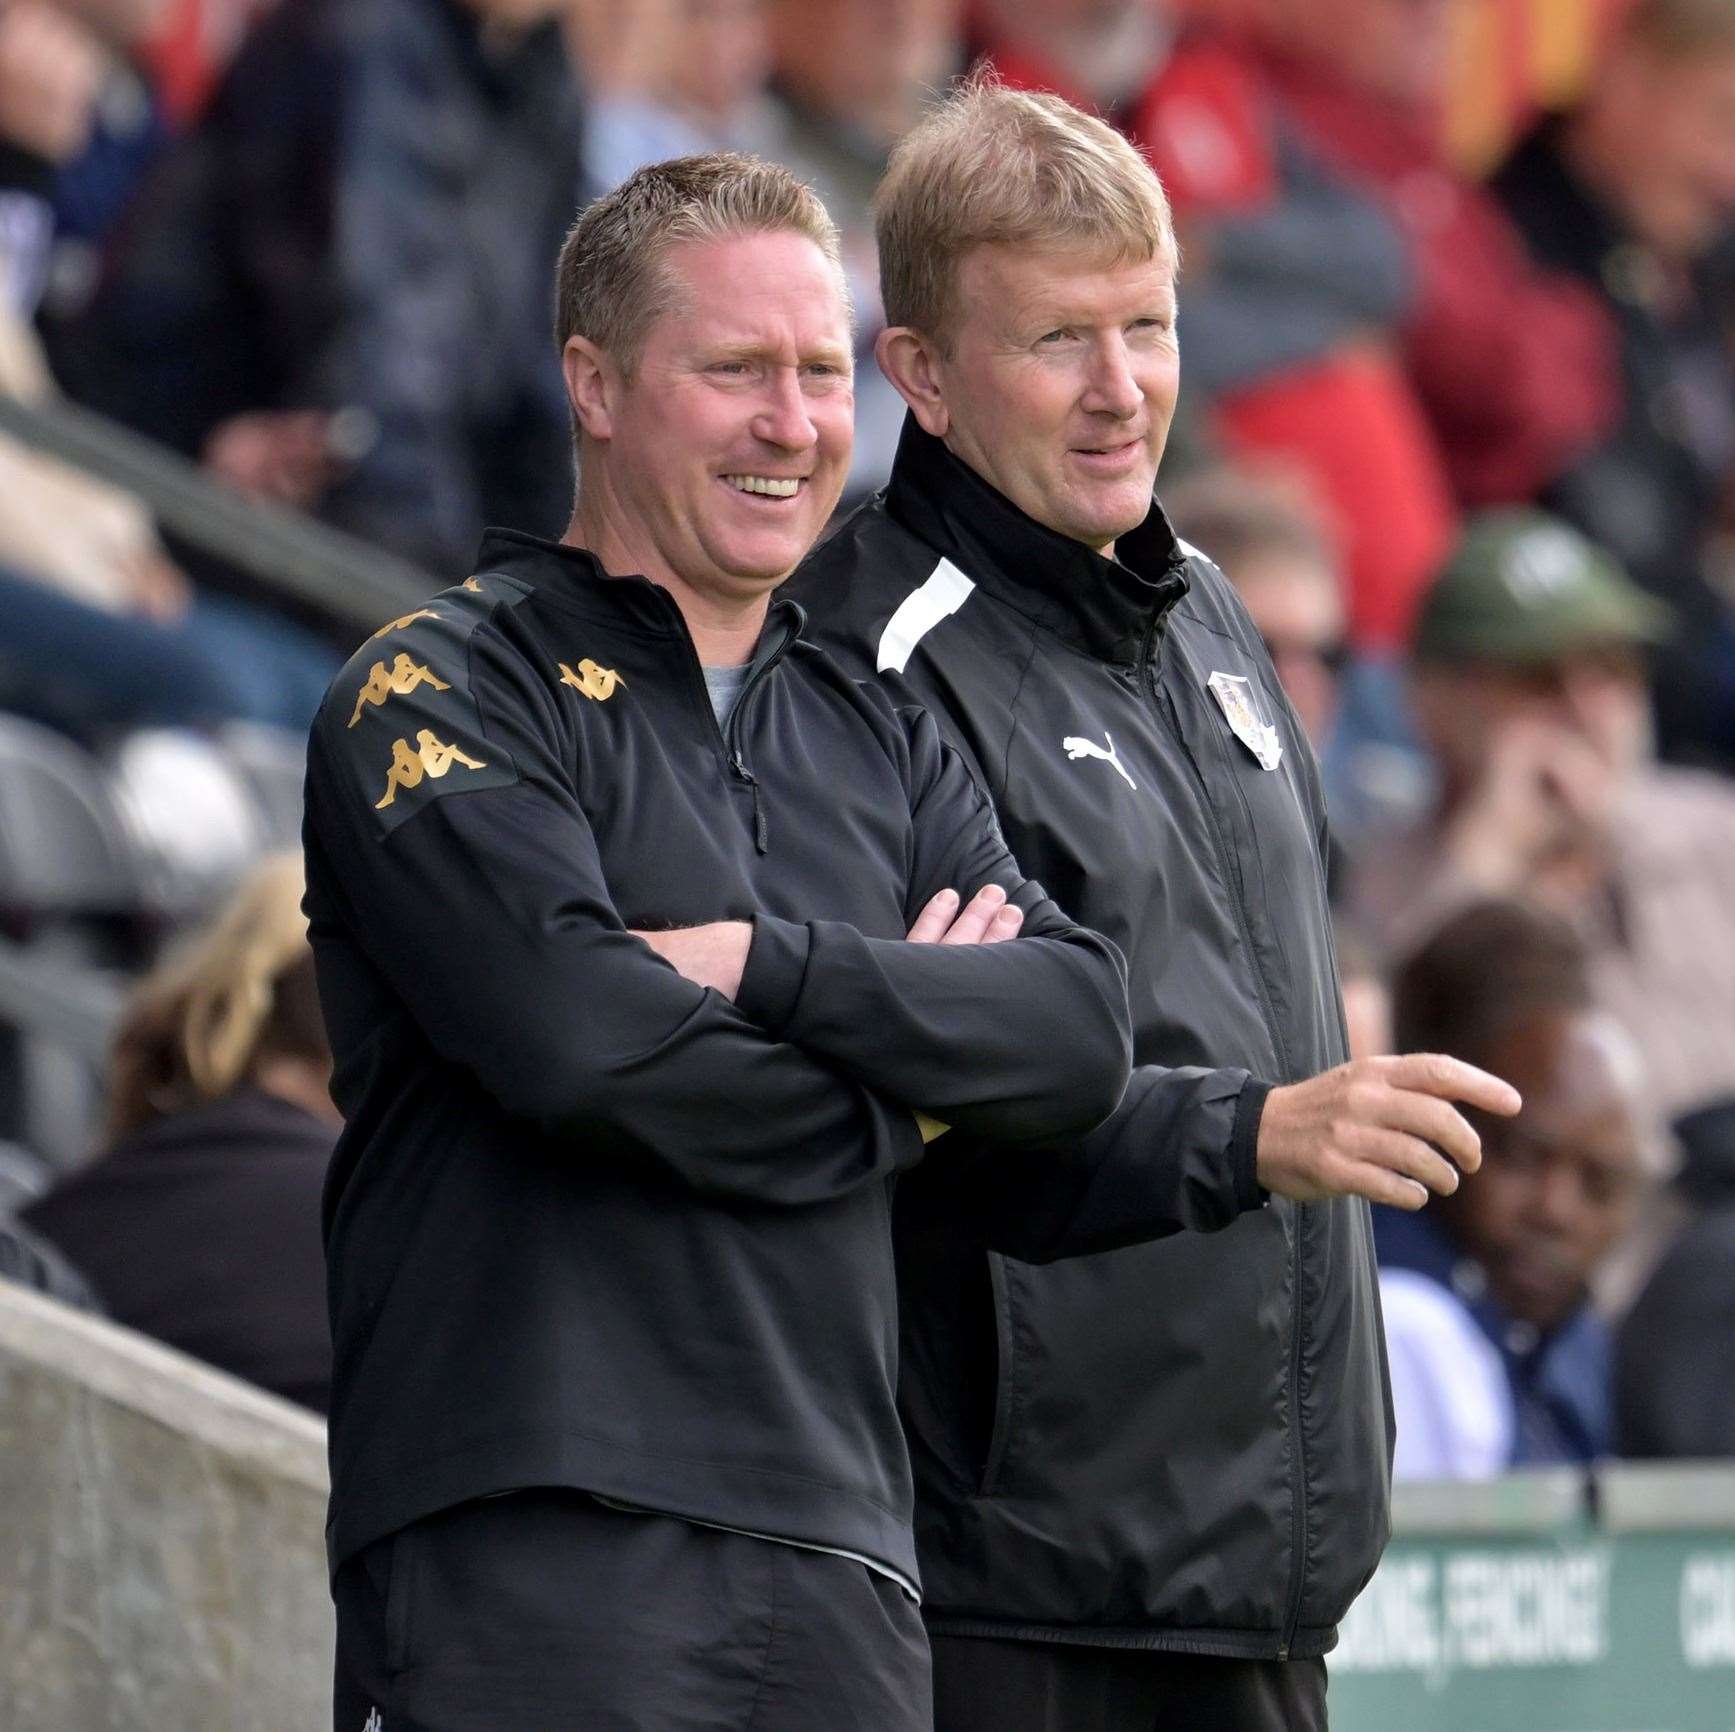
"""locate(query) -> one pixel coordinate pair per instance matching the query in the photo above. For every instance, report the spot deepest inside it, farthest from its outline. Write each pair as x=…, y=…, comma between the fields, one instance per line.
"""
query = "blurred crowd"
x=1458, y=421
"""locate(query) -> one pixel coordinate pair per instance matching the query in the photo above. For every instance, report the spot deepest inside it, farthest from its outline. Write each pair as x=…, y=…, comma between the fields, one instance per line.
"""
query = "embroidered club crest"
x=1234, y=695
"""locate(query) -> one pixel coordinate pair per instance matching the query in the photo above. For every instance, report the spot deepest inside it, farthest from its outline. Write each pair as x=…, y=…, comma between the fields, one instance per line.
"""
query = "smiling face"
x=713, y=465
x=1060, y=384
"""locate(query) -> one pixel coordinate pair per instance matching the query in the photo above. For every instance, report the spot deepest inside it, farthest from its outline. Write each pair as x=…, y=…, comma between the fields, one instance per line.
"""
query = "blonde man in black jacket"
x=1149, y=1484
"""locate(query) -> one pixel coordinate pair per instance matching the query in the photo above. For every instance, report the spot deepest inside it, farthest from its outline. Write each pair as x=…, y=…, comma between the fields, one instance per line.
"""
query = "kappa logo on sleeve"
x=432, y=758
x=597, y=683
x=403, y=620
x=403, y=679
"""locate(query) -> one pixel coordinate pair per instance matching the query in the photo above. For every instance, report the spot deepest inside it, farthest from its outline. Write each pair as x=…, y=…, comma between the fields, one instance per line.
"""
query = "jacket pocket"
x=400, y=1592
x=1005, y=1380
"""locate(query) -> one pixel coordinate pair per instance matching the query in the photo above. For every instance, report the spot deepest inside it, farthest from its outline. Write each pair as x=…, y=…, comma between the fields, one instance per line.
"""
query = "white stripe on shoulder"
x=1193, y=552
x=946, y=590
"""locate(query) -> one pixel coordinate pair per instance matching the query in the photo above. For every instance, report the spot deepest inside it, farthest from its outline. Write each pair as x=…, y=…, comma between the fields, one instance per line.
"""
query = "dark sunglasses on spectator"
x=1334, y=657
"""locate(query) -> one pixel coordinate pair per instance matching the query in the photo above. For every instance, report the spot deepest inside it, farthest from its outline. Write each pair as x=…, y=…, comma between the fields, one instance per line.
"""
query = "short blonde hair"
x=995, y=166
x=610, y=286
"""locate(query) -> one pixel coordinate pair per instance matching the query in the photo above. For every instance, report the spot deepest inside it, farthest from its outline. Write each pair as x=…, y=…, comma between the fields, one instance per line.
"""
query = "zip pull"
x=761, y=831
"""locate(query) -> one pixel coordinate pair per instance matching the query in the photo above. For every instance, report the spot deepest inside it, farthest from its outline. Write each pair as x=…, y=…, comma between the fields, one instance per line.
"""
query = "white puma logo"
x=1078, y=747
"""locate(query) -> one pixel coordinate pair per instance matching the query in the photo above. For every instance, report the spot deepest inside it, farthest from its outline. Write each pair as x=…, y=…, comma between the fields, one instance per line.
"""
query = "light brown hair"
x=1236, y=516
x=994, y=166
x=236, y=991
x=610, y=285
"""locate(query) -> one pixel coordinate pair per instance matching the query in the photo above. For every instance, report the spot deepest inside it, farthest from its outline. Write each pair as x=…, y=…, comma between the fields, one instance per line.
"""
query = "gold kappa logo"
x=596, y=683
x=472, y=584
x=399, y=624
x=434, y=759
x=405, y=676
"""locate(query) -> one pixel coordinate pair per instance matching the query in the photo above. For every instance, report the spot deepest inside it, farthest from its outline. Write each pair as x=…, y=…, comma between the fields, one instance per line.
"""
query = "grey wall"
x=161, y=1550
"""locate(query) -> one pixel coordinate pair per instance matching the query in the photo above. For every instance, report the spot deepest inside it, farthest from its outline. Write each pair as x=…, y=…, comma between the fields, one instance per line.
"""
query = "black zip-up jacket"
x=590, y=1225
x=1183, y=1445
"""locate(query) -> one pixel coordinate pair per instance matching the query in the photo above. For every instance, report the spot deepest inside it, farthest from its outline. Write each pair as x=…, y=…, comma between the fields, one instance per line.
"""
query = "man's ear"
x=912, y=363
x=593, y=385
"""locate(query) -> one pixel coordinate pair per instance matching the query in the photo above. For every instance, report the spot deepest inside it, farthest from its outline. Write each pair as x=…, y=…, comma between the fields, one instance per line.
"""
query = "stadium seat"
x=273, y=764
x=70, y=895
x=189, y=814
x=23, y=1177
x=63, y=848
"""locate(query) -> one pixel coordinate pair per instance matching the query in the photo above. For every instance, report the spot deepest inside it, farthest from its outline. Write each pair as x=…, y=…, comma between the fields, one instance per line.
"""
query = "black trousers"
x=546, y=1611
x=996, y=1686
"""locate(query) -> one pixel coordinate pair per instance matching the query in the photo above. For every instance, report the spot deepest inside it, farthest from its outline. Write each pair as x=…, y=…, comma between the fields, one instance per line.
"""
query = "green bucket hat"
x=1525, y=587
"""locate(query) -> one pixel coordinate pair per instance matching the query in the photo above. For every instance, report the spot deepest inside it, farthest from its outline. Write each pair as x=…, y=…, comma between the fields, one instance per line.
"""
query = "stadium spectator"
x=128, y=130
x=1496, y=1278
x=1266, y=537
x=102, y=628
x=358, y=223
x=50, y=72
x=1530, y=693
x=1633, y=194
x=199, y=1224
x=1514, y=365
x=1296, y=283
x=668, y=78
x=1675, y=1355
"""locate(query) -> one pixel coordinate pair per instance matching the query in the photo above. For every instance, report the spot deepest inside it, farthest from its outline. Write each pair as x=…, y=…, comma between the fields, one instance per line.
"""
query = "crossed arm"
x=489, y=915
x=715, y=955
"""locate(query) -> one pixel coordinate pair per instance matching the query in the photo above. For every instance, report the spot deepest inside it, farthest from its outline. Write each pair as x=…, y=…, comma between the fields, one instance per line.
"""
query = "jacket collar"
x=576, y=573
x=1106, y=607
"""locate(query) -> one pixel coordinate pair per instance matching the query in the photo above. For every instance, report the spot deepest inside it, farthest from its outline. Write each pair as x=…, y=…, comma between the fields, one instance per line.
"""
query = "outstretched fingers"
x=1451, y=1079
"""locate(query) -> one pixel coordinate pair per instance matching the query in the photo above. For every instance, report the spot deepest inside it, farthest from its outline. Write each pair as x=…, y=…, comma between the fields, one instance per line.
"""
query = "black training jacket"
x=1183, y=1445
x=590, y=1225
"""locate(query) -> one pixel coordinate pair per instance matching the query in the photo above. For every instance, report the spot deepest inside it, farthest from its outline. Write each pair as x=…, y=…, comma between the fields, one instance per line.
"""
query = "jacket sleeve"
x=1177, y=1154
x=477, y=891
x=1024, y=1041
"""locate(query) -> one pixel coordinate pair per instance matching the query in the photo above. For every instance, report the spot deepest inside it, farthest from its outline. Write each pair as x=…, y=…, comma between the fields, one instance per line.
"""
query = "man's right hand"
x=1380, y=1128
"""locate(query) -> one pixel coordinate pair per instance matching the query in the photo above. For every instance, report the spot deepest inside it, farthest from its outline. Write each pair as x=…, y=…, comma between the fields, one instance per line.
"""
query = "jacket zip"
x=1238, y=897
x=732, y=736
x=730, y=739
